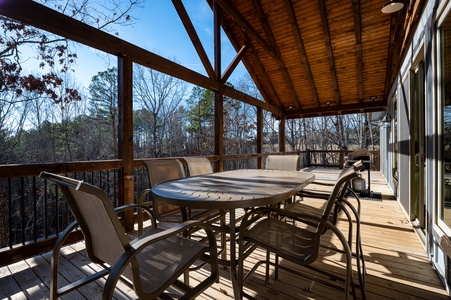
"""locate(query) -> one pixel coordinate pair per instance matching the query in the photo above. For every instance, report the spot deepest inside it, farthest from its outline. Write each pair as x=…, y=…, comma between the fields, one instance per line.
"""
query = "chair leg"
x=224, y=239
x=268, y=257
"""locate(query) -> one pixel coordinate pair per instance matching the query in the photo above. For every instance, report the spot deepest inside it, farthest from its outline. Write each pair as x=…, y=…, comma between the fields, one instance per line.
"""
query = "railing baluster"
x=46, y=211
x=20, y=190
x=22, y=210
x=57, y=229
x=10, y=213
x=35, y=211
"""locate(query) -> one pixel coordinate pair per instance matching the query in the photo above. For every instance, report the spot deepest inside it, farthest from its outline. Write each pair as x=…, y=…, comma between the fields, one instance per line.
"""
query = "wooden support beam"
x=358, y=42
x=337, y=110
x=330, y=55
x=219, y=96
x=276, y=55
x=300, y=44
x=227, y=7
x=183, y=15
x=282, y=134
x=125, y=140
x=40, y=16
x=236, y=60
x=271, y=96
x=259, y=136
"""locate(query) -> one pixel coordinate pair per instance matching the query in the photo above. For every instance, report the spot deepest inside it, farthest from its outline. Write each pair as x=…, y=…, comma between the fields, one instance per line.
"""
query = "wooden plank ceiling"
x=320, y=57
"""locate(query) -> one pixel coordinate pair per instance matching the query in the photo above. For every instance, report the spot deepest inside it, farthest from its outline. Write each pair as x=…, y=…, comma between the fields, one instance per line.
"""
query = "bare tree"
x=159, y=96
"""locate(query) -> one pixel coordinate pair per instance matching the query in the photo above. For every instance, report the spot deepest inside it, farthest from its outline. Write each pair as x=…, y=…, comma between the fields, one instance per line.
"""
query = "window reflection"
x=446, y=100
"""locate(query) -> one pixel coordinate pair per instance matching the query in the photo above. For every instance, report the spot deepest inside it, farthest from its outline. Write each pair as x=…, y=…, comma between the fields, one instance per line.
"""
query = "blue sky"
x=159, y=29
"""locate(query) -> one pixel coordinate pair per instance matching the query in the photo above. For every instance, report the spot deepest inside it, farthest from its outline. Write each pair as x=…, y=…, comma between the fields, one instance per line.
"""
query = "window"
x=395, y=140
x=445, y=92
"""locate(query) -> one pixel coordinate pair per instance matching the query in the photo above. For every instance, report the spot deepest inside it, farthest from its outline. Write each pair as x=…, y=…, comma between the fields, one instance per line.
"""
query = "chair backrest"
x=198, y=165
x=104, y=236
x=359, y=154
x=340, y=189
x=282, y=162
x=160, y=171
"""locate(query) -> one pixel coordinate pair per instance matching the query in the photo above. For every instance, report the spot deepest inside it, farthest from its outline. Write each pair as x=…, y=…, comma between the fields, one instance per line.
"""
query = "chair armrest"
x=322, y=183
x=299, y=217
x=141, y=244
x=140, y=219
x=123, y=208
x=143, y=195
x=311, y=194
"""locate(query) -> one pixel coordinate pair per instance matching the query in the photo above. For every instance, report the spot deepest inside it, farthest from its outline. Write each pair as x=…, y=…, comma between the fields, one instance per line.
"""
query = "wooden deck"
x=397, y=264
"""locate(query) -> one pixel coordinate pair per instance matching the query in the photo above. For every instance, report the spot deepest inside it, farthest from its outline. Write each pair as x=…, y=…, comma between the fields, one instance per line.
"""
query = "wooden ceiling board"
x=307, y=53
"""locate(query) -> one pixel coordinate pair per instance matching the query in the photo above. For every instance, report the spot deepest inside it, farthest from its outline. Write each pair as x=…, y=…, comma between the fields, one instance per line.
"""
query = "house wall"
x=424, y=46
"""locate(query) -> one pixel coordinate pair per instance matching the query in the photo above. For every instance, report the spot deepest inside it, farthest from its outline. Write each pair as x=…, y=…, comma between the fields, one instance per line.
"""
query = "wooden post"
x=282, y=134
x=125, y=136
x=219, y=96
x=341, y=158
x=259, y=137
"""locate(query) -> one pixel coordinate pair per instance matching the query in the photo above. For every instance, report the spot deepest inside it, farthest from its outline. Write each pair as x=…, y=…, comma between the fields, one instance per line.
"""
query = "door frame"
x=417, y=159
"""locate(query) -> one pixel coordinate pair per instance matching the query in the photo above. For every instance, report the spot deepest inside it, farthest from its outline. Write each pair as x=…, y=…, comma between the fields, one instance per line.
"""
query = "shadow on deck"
x=397, y=264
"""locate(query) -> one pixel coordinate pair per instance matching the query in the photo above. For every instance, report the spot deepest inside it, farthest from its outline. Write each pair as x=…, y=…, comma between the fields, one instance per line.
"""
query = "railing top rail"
x=19, y=170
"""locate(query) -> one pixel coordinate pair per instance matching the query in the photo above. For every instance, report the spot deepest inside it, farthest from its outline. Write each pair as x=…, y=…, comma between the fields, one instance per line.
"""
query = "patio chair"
x=164, y=170
x=198, y=165
x=282, y=162
x=170, y=169
x=300, y=245
x=150, y=263
x=351, y=212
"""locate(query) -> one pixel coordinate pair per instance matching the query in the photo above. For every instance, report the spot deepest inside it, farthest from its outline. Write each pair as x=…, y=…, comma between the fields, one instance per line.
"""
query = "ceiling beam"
x=338, y=110
x=300, y=44
x=358, y=43
x=280, y=61
x=403, y=25
x=330, y=55
x=232, y=66
x=183, y=15
x=237, y=17
x=270, y=96
x=42, y=17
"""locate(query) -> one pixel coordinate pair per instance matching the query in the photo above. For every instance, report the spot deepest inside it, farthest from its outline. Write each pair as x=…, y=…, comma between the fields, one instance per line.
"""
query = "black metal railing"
x=33, y=211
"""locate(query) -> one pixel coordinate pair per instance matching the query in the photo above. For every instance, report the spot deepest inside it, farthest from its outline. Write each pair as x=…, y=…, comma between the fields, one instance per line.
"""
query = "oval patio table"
x=231, y=190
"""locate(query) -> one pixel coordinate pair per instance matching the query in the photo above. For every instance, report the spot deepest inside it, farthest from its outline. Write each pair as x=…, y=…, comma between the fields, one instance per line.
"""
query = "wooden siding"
x=397, y=264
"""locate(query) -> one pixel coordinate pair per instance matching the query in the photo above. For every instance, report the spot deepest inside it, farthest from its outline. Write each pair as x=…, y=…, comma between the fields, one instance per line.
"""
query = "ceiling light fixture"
x=392, y=6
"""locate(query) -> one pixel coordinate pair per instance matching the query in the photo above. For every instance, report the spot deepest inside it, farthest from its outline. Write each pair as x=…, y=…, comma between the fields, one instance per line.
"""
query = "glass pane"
x=395, y=139
x=415, y=139
x=446, y=100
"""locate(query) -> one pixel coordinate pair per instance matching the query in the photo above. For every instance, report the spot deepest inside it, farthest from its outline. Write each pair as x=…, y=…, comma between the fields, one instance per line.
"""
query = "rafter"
x=272, y=99
x=236, y=60
x=338, y=110
x=330, y=55
x=183, y=15
x=358, y=45
x=275, y=99
x=40, y=16
x=301, y=48
x=282, y=66
x=403, y=23
x=227, y=7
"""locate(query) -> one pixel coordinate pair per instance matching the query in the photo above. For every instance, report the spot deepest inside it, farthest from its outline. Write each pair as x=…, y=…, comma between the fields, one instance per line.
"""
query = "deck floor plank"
x=29, y=283
x=397, y=264
x=10, y=289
